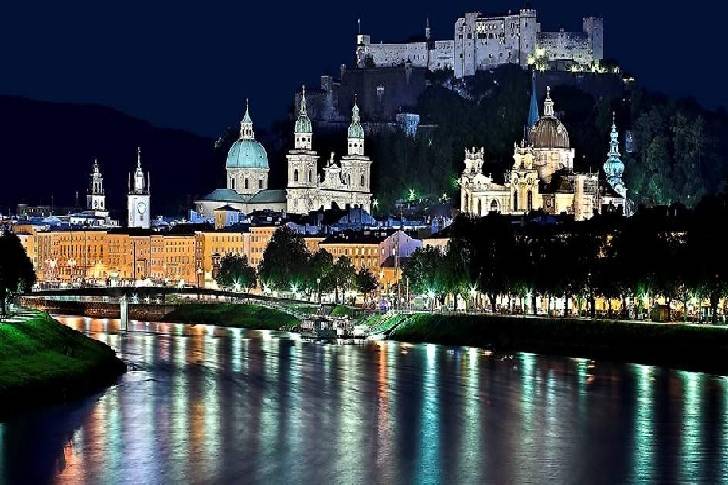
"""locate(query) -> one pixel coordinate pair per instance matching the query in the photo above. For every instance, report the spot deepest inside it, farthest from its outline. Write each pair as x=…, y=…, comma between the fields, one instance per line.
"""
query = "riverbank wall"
x=45, y=362
x=681, y=346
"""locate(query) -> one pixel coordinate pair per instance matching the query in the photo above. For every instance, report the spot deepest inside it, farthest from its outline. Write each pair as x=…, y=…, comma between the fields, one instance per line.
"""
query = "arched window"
x=310, y=176
x=494, y=206
x=260, y=184
x=232, y=183
x=362, y=181
x=515, y=201
x=480, y=207
x=530, y=200
x=295, y=175
x=247, y=185
x=466, y=208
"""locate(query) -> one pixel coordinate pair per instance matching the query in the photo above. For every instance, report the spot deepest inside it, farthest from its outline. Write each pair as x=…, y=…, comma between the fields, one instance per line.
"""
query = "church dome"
x=247, y=153
x=549, y=132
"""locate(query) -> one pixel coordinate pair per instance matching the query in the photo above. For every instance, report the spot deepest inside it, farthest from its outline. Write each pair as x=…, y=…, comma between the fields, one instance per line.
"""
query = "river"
x=215, y=405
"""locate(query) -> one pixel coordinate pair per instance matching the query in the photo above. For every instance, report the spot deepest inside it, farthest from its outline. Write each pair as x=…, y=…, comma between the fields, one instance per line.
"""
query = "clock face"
x=141, y=207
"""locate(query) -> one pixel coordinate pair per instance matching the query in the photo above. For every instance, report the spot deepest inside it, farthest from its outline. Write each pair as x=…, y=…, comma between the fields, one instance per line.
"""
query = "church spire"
x=533, y=114
x=303, y=130
x=356, y=132
x=138, y=185
x=614, y=139
x=614, y=167
x=246, y=125
x=548, y=104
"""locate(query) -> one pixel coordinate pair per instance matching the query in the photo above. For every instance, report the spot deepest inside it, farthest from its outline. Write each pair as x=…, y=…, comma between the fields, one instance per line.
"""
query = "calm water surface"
x=214, y=405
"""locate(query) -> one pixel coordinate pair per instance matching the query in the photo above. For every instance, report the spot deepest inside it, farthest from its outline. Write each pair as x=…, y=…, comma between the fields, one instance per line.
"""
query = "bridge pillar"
x=124, y=312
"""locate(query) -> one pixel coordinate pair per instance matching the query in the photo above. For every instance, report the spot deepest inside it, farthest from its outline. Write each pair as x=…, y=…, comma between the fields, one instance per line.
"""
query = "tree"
x=319, y=273
x=491, y=243
x=342, y=276
x=285, y=260
x=365, y=282
x=235, y=271
x=16, y=269
x=423, y=269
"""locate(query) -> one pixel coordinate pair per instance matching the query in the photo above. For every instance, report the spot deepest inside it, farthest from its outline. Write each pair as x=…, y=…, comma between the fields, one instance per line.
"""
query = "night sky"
x=190, y=65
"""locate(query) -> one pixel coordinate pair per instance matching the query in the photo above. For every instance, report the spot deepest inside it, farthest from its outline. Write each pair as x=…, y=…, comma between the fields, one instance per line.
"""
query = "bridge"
x=151, y=302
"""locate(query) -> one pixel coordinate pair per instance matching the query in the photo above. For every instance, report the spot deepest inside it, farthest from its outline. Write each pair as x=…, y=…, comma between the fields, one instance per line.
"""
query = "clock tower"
x=138, y=198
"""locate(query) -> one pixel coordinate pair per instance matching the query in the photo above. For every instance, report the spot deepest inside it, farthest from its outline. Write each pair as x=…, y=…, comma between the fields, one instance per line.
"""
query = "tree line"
x=669, y=253
x=288, y=266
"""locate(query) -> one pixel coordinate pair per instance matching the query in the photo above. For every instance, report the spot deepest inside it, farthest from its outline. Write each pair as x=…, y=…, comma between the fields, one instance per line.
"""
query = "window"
x=246, y=184
x=362, y=181
x=515, y=201
x=260, y=184
x=295, y=175
x=310, y=176
x=494, y=206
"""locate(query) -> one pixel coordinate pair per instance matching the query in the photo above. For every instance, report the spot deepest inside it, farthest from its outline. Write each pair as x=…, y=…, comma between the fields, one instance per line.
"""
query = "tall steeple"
x=138, y=207
x=356, y=132
x=303, y=131
x=533, y=114
x=139, y=183
x=548, y=104
x=246, y=125
x=95, y=199
x=614, y=167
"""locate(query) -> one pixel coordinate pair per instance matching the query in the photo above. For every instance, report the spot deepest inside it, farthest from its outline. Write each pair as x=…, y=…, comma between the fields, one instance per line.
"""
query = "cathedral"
x=542, y=175
x=345, y=183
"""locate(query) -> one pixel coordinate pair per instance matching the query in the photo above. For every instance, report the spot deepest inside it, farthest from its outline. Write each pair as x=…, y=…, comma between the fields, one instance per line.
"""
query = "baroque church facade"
x=345, y=183
x=542, y=176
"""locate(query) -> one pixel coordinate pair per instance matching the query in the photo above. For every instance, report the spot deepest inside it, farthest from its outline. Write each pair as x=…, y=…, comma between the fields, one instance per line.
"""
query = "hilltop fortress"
x=483, y=42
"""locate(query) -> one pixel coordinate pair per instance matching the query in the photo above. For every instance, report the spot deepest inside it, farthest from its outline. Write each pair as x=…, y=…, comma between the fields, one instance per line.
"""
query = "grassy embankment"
x=672, y=345
x=42, y=361
x=254, y=317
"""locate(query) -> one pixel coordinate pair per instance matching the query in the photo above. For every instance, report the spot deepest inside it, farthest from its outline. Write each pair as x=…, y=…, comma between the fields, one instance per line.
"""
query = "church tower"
x=95, y=199
x=355, y=166
x=355, y=133
x=614, y=167
x=138, y=198
x=303, y=176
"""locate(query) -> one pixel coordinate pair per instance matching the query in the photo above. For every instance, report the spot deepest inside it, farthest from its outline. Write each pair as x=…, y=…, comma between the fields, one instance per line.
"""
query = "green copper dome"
x=247, y=153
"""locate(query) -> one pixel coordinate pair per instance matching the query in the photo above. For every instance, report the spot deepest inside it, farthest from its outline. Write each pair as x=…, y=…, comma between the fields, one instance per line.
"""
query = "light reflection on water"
x=208, y=404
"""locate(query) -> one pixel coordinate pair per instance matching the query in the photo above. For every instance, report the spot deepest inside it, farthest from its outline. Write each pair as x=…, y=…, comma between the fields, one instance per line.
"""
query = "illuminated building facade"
x=542, y=177
x=482, y=42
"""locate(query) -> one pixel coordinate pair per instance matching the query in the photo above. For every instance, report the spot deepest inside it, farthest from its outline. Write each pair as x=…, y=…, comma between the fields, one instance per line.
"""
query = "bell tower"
x=96, y=199
x=138, y=198
x=356, y=166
